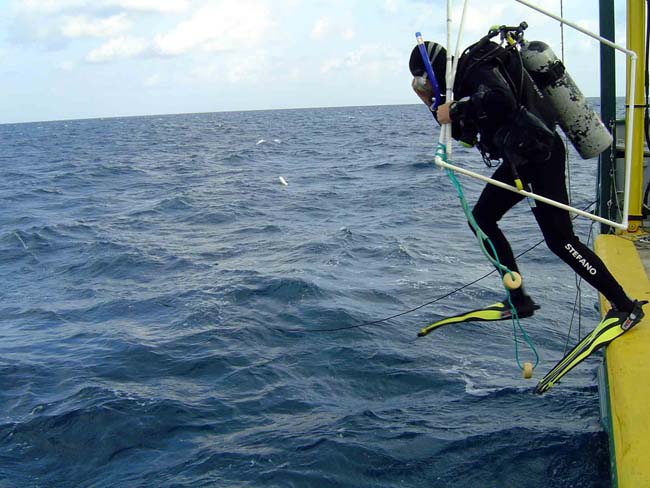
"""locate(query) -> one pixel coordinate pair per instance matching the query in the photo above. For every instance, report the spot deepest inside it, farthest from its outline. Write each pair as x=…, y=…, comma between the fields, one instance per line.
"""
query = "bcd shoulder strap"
x=510, y=65
x=489, y=52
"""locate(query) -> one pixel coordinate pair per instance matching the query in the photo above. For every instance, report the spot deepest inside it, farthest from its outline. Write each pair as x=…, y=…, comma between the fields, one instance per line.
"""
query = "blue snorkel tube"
x=429, y=69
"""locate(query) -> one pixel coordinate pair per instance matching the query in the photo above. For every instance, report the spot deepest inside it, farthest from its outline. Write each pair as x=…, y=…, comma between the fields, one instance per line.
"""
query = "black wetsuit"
x=491, y=106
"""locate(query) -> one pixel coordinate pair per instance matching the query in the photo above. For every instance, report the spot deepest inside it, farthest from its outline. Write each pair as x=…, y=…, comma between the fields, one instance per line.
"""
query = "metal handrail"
x=628, y=153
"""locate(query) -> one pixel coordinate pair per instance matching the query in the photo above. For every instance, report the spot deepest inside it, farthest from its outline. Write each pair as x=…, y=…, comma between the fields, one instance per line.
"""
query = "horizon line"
x=170, y=114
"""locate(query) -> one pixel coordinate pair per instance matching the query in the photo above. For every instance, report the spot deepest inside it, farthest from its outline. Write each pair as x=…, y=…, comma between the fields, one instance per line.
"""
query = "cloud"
x=59, y=6
x=220, y=26
x=251, y=67
x=66, y=66
x=54, y=23
x=206, y=26
x=152, y=81
x=320, y=28
x=369, y=61
x=351, y=60
x=82, y=26
x=477, y=20
x=326, y=27
x=159, y=6
x=391, y=6
x=233, y=68
x=118, y=48
x=347, y=34
x=46, y=6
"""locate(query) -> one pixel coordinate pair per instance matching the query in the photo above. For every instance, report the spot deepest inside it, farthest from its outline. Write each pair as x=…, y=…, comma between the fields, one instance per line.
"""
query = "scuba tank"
x=578, y=120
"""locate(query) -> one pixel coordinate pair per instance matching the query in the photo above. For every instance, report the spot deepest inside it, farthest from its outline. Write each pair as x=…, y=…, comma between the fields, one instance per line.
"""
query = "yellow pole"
x=636, y=42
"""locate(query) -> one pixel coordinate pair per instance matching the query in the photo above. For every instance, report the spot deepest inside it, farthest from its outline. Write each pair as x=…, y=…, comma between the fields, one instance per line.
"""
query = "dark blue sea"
x=167, y=307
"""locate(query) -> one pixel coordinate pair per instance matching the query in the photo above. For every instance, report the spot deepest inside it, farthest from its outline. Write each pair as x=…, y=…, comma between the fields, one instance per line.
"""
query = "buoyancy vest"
x=529, y=135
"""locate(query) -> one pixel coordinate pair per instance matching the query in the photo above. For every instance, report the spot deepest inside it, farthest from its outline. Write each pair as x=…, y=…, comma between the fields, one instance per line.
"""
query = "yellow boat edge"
x=624, y=389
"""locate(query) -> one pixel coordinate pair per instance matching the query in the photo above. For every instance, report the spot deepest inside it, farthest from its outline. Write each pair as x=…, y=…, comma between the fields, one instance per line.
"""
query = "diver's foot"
x=627, y=320
x=614, y=324
x=525, y=307
x=496, y=311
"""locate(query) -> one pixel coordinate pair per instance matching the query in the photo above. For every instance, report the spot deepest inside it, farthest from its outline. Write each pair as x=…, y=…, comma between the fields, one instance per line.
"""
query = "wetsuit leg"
x=492, y=205
x=548, y=179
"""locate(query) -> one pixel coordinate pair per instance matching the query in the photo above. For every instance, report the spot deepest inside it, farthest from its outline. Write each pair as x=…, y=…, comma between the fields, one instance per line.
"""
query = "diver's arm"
x=494, y=105
x=491, y=100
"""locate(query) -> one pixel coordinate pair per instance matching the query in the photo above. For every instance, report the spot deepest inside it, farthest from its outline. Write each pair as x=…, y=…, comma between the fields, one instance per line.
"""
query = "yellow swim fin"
x=496, y=311
x=613, y=325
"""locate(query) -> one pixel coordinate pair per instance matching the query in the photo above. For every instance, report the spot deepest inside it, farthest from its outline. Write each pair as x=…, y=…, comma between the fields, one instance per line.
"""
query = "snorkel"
x=429, y=69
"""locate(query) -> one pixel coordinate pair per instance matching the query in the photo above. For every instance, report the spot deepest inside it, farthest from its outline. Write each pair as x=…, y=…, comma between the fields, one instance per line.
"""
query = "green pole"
x=607, y=112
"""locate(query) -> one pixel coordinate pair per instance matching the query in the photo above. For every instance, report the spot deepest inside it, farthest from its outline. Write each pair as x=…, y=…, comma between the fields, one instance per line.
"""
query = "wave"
x=46, y=238
x=174, y=316
x=58, y=445
x=280, y=289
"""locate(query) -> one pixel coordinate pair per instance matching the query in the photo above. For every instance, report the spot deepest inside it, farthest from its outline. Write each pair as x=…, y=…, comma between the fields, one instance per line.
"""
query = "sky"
x=72, y=59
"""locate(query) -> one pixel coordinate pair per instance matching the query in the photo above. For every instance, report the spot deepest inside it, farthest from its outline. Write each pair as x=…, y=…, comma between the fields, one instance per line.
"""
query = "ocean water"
x=167, y=308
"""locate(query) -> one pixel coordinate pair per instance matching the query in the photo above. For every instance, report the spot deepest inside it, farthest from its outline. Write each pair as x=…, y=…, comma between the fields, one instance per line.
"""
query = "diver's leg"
x=492, y=205
x=548, y=179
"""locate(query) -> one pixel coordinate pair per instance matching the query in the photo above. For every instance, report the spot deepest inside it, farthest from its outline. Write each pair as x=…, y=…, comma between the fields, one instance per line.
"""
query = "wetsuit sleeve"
x=490, y=99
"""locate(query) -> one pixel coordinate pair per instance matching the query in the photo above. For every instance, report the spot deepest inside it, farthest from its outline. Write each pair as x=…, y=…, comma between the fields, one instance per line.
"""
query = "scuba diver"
x=500, y=110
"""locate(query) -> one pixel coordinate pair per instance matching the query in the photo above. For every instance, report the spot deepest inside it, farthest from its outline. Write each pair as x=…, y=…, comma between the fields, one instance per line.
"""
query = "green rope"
x=482, y=238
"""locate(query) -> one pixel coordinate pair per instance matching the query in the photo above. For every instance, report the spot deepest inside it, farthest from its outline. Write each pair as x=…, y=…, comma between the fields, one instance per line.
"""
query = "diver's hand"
x=442, y=113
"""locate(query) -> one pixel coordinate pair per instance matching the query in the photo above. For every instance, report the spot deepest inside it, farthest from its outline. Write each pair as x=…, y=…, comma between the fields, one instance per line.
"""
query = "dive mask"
x=423, y=89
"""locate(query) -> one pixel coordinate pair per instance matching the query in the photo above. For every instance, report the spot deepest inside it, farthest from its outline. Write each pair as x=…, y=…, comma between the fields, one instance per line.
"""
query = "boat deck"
x=625, y=382
x=643, y=248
